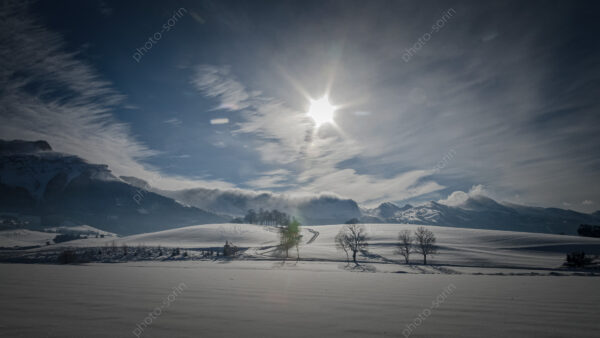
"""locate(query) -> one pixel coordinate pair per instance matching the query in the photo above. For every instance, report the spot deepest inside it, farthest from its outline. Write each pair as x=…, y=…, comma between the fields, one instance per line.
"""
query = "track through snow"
x=315, y=234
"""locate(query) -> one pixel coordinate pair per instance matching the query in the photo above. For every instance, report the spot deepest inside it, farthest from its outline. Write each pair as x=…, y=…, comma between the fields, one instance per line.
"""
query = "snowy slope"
x=24, y=238
x=28, y=238
x=209, y=235
x=461, y=246
x=84, y=230
x=457, y=246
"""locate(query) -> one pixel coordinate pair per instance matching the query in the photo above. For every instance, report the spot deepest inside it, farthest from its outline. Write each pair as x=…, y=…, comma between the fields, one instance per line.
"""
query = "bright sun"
x=321, y=111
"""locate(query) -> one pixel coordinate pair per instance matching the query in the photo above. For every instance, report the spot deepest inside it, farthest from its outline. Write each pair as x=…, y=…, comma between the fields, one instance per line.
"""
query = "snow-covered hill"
x=23, y=238
x=456, y=246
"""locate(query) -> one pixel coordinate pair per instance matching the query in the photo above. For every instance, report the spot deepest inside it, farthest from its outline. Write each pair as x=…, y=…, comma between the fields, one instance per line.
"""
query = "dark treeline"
x=267, y=217
x=589, y=230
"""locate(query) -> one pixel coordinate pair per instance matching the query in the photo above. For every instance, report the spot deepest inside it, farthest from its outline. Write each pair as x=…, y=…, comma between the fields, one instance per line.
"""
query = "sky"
x=435, y=100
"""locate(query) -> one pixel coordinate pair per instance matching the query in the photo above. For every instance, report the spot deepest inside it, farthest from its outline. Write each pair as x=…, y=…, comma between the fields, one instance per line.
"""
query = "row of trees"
x=589, y=230
x=423, y=242
x=352, y=238
x=267, y=217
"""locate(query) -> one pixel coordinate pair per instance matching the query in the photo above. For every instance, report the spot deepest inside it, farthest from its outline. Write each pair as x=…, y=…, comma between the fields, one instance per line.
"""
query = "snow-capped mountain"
x=33, y=166
x=64, y=189
x=388, y=210
x=484, y=213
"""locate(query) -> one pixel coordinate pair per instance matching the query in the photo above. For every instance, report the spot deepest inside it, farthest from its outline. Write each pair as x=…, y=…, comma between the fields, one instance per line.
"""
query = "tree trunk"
x=425, y=259
x=354, y=257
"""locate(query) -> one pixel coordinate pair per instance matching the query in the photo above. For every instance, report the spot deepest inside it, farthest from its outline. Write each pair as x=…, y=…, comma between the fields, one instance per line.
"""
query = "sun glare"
x=321, y=111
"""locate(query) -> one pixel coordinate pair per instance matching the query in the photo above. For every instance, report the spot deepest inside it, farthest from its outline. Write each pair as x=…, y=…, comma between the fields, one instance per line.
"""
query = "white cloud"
x=459, y=197
x=219, y=121
x=587, y=202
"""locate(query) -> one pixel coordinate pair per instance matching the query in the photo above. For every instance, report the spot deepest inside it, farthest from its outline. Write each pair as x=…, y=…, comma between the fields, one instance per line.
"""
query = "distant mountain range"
x=484, y=213
x=60, y=189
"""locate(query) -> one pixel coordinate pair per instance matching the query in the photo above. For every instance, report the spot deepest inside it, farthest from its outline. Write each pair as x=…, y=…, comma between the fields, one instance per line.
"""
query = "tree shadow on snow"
x=360, y=268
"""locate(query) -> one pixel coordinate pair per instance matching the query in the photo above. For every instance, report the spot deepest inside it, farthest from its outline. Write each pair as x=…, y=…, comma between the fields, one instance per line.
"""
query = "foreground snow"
x=268, y=299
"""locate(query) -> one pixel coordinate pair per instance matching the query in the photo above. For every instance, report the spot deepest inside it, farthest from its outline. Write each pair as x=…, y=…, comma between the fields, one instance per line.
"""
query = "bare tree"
x=341, y=243
x=355, y=238
x=425, y=240
x=405, y=244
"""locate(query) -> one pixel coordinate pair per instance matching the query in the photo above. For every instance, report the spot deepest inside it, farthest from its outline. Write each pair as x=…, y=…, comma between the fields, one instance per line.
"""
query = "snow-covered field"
x=482, y=283
x=458, y=247
x=268, y=299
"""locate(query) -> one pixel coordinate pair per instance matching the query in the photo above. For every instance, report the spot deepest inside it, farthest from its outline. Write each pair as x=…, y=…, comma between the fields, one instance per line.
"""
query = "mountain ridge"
x=485, y=213
x=61, y=188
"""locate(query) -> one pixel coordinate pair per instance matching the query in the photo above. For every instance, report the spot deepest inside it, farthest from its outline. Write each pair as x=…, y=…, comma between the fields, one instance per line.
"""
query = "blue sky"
x=435, y=97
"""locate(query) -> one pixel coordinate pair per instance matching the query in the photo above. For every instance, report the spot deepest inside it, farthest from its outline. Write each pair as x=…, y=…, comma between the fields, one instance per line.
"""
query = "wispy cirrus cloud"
x=49, y=94
x=287, y=138
x=271, y=179
x=173, y=121
x=218, y=82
